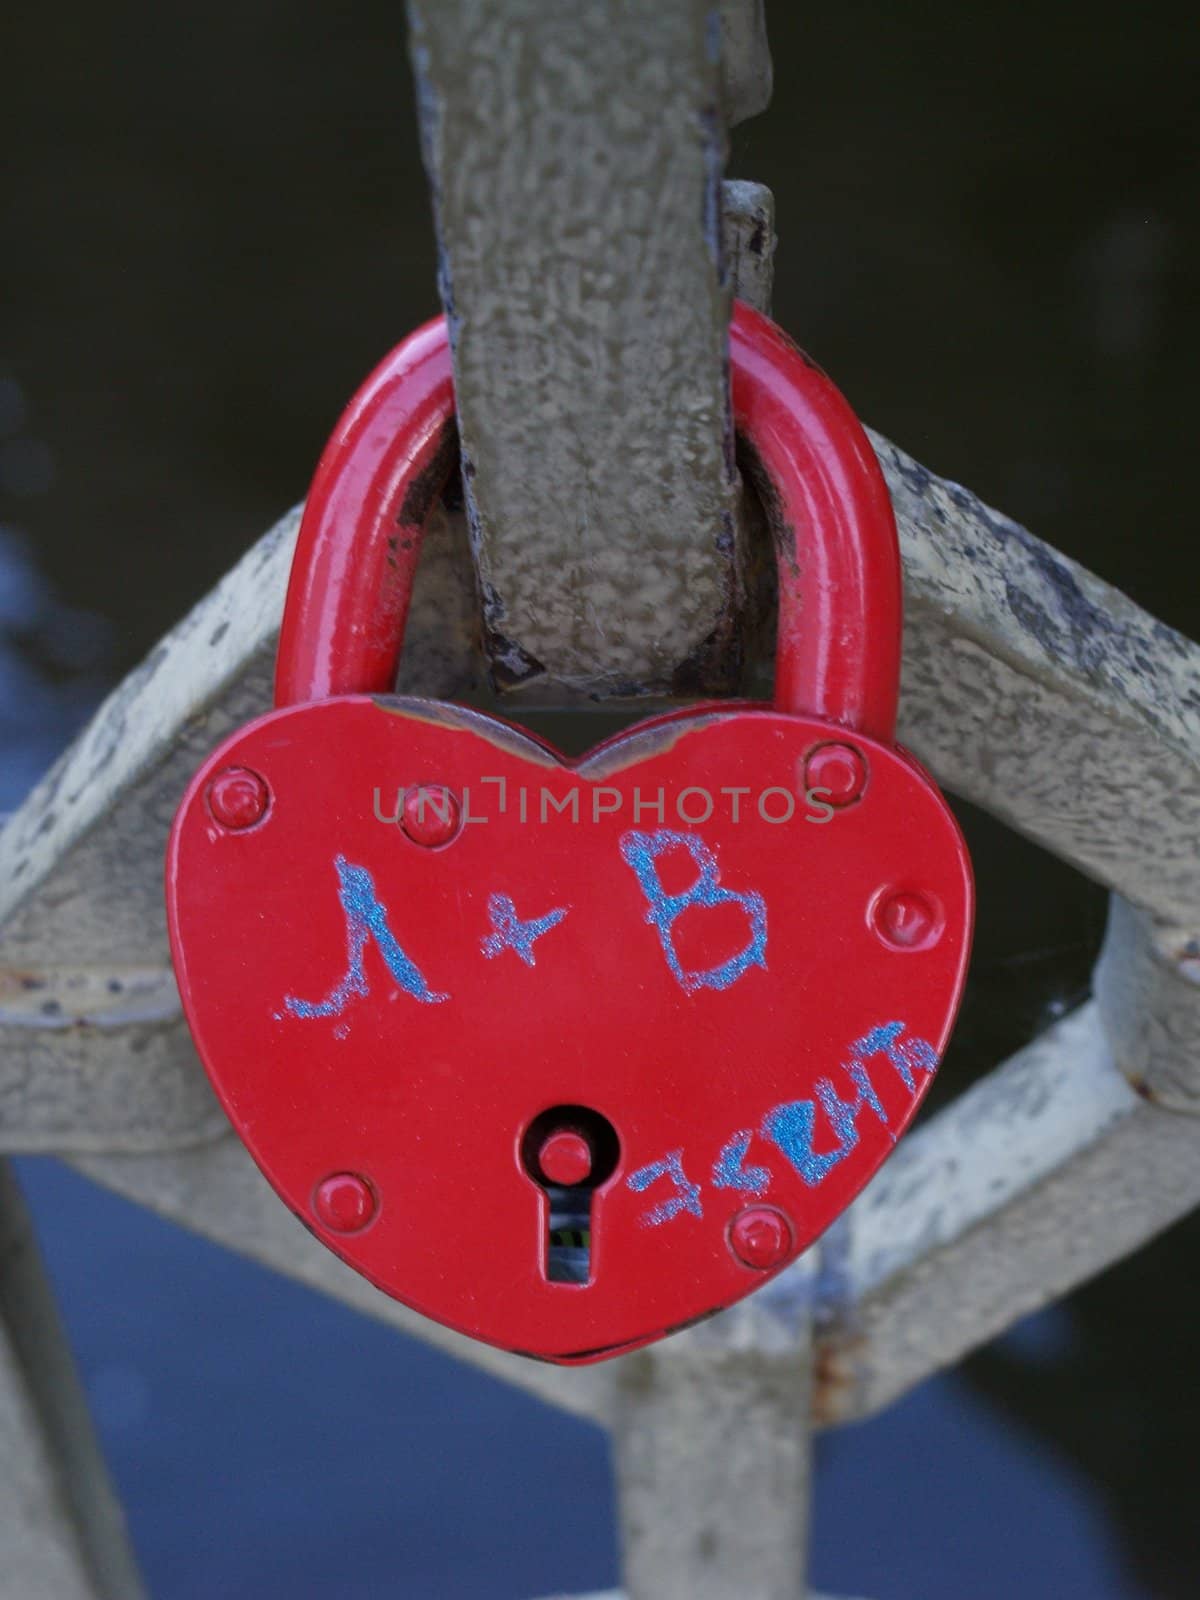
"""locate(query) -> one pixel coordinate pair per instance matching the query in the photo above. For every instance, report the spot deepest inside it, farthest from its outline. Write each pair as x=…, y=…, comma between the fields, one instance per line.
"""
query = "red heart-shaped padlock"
x=567, y=1055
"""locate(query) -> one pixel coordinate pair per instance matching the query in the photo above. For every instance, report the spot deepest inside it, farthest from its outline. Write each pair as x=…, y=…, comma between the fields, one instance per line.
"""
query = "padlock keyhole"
x=569, y=1152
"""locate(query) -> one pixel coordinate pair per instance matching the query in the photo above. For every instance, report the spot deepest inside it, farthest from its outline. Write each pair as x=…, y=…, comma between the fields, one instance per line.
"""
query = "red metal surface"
x=331, y=1054
x=445, y=970
x=378, y=477
x=838, y=654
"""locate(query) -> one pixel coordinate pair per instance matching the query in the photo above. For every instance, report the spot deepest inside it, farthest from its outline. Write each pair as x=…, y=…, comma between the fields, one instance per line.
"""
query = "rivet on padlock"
x=576, y=1052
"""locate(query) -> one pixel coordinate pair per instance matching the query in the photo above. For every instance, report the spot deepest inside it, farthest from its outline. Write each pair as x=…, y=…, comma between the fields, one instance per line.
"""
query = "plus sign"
x=513, y=934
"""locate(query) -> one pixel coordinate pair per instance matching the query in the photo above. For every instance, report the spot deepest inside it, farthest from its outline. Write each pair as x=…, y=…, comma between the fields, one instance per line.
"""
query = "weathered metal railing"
x=1030, y=688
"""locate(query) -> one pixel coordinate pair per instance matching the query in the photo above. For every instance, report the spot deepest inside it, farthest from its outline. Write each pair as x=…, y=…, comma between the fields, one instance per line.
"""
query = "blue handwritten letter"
x=641, y=851
x=906, y=1055
x=790, y=1126
x=365, y=918
x=731, y=1171
x=687, y=1197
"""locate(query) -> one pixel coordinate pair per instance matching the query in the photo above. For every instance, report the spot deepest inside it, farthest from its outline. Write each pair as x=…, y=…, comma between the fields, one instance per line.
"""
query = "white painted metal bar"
x=1148, y=992
x=1046, y=1171
x=1043, y=694
x=575, y=157
x=40, y=1557
x=62, y=1534
x=217, y=1191
x=745, y=60
x=712, y=1439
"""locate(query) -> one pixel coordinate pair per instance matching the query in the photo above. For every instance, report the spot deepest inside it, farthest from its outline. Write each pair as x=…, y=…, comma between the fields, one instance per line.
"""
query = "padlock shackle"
x=838, y=653
x=379, y=477
x=836, y=551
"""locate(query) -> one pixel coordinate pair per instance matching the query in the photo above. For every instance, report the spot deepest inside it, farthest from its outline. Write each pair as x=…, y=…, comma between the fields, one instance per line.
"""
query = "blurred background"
x=215, y=224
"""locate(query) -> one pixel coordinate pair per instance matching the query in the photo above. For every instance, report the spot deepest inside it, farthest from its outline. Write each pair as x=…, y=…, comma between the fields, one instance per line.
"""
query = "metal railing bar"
x=1047, y=697
x=62, y=1532
x=1036, y=1178
x=218, y=1192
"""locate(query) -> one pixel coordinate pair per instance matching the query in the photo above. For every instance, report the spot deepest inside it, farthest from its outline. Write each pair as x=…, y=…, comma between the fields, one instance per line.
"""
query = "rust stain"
x=835, y=1378
x=14, y=982
x=461, y=719
x=639, y=745
x=783, y=534
x=425, y=488
x=626, y=749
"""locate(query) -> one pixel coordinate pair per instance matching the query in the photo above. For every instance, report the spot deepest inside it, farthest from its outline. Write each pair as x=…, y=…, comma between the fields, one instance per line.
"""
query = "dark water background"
x=215, y=224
